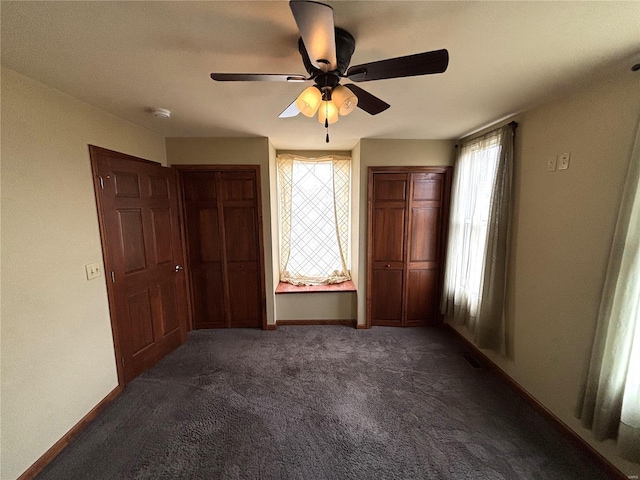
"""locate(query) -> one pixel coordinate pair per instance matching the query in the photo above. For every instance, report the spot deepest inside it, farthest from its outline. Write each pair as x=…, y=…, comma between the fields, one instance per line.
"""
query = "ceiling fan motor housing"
x=345, y=46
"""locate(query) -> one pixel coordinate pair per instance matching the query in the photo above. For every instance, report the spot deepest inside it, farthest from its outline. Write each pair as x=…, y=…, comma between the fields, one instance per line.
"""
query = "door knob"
x=178, y=268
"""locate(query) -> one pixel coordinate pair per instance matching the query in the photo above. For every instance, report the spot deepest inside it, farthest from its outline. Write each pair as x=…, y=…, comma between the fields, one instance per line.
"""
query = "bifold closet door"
x=222, y=215
x=407, y=217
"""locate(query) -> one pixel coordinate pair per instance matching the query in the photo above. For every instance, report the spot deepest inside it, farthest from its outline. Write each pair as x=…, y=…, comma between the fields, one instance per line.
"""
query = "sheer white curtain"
x=610, y=404
x=314, y=219
x=475, y=275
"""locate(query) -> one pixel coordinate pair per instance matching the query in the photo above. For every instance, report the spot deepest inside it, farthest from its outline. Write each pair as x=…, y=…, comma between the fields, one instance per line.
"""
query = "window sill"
x=347, y=286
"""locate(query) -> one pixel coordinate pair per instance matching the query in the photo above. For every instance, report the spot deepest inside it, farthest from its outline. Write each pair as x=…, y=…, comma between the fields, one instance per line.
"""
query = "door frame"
x=261, y=262
x=94, y=152
x=444, y=231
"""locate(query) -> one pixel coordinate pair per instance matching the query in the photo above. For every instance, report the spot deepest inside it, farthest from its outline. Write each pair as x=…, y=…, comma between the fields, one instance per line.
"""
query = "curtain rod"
x=513, y=124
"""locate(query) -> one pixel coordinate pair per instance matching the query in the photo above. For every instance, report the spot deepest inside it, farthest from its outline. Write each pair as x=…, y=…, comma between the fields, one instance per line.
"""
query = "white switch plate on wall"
x=551, y=164
x=93, y=270
x=563, y=161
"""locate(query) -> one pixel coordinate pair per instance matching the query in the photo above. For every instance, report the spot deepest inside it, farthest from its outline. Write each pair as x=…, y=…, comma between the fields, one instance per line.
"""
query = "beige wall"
x=377, y=153
x=57, y=349
x=234, y=151
x=355, y=218
x=316, y=306
x=563, y=226
x=275, y=236
x=55, y=332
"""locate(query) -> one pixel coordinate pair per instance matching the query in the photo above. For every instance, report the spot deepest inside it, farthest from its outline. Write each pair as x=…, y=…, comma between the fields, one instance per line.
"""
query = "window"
x=477, y=168
x=314, y=219
x=475, y=275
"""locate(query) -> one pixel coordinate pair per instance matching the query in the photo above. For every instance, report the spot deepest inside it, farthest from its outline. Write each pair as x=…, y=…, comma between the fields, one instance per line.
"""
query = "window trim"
x=346, y=251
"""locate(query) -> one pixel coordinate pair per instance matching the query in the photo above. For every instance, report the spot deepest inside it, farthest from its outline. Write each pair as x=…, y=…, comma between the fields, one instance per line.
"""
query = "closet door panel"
x=386, y=297
x=424, y=238
x=238, y=186
x=204, y=244
x=388, y=230
x=387, y=248
x=240, y=234
x=390, y=187
x=244, y=295
x=424, y=234
x=242, y=242
x=427, y=186
x=208, y=297
x=422, y=301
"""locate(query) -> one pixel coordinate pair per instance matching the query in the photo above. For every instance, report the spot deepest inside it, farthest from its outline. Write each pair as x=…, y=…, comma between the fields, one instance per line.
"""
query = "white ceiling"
x=127, y=57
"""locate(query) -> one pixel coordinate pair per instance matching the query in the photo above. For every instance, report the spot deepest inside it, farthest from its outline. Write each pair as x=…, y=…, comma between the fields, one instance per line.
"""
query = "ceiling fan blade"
x=290, y=111
x=409, y=66
x=257, y=77
x=315, y=22
x=367, y=102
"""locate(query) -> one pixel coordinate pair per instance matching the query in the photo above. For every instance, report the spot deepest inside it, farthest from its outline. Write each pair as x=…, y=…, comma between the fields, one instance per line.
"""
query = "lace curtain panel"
x=314, y=219
x=475, y=274
x=610, y=403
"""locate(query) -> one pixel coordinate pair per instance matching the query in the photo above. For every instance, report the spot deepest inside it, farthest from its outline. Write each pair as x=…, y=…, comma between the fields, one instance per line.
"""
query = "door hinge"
x=113, y=277
x=101, y=181
x=122, y=361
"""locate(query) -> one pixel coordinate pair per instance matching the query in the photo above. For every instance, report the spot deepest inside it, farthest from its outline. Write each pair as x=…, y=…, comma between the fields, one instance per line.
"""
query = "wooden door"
x=387, y=247
x=407, y=226
x=138, y=211
x=224, y=232
x=242, y=247
x=424, y=248
x=204, y=246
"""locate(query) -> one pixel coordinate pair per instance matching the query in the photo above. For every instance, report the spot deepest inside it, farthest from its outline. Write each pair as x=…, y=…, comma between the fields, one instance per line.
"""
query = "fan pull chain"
x=326, y=122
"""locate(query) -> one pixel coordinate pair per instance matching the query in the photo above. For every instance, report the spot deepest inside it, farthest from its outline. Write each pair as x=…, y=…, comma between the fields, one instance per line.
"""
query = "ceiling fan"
x=326, y=53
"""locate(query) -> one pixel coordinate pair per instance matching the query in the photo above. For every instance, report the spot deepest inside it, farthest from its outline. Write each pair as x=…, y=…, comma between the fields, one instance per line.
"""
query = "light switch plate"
x=93, y=270
x=563, y=161
x=551, y=164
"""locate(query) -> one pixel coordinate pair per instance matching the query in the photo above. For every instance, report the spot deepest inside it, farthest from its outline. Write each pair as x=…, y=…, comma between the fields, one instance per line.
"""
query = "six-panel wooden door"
x=138, y=206
x=408, y=211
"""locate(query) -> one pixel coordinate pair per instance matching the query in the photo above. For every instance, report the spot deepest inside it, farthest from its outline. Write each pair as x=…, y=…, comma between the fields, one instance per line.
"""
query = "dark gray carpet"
x=319, y=402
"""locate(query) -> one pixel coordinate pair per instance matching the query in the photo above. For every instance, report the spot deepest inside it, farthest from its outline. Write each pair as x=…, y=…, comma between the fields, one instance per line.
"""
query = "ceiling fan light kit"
x=326, y=54
x=328, y=112
x=309, y=101
x=344, y=99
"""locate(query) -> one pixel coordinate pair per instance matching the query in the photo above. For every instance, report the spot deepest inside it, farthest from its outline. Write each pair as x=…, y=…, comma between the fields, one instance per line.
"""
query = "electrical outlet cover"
x=93, y=270
x=563, y=161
